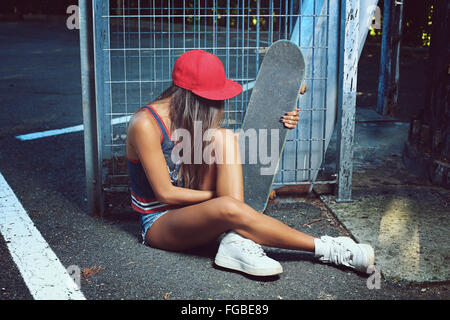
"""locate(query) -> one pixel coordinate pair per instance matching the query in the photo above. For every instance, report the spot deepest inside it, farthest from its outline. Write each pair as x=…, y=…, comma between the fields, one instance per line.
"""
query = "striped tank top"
x=143, y=199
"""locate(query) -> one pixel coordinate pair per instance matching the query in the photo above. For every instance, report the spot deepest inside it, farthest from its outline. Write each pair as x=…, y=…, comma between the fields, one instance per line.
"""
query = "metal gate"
x=136, y=43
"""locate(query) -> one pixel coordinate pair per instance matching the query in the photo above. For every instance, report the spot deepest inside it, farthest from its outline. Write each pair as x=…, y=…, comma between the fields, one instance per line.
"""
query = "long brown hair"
x=185, y=109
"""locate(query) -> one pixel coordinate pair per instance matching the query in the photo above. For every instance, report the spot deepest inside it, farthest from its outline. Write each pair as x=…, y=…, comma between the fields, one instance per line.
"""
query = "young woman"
x=184, y=204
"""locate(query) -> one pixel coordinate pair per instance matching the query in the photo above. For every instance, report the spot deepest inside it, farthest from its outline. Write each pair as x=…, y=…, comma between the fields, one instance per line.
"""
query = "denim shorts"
x=147, y=220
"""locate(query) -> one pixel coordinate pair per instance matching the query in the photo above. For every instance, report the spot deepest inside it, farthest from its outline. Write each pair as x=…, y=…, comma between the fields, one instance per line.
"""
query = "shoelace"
x=249, y=246
x=339, y=254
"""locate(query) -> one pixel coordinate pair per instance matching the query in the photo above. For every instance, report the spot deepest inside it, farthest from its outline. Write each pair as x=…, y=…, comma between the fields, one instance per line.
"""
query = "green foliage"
x=417, y=22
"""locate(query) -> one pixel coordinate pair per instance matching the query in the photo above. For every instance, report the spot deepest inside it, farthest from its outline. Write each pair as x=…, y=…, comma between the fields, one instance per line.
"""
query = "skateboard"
x=276, y=91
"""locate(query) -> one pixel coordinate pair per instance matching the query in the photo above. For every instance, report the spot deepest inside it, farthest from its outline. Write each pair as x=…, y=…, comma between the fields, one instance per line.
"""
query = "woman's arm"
x=145, y=137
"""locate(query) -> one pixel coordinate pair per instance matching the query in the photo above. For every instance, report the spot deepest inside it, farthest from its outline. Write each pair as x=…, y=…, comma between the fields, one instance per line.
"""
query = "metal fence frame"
x=96, y=70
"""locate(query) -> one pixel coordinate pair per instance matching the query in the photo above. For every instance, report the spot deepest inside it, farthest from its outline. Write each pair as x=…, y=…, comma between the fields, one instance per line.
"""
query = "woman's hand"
x=290, y=119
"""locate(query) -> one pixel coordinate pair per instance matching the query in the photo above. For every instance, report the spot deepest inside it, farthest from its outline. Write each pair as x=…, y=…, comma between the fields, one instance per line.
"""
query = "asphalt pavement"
x=40, y=90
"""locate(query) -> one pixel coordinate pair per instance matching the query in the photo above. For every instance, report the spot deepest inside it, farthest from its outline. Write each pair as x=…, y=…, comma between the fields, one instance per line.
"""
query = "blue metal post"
x=390, y=54
x=385, y=60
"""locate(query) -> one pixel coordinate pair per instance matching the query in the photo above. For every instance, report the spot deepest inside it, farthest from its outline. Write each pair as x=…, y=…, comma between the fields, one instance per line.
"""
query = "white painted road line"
x=43, y=273
x=55, y=132
x=49, y=133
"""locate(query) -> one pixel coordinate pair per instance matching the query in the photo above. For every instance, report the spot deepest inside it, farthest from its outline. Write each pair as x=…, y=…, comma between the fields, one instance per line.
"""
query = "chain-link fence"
x=138, y=42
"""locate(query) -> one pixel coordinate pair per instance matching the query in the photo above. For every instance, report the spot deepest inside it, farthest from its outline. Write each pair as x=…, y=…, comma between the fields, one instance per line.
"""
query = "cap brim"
x=230, y=90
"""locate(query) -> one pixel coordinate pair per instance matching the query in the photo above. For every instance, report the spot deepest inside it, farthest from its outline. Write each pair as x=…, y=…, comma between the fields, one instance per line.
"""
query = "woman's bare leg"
x=197, y=224
x=229, y=182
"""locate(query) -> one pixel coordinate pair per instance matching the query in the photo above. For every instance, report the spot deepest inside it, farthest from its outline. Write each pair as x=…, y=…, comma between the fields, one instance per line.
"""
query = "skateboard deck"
x=275, y=92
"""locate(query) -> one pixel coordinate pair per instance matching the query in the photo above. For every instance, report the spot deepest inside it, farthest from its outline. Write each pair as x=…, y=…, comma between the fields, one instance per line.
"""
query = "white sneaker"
x=238, y=253
x=344, y=251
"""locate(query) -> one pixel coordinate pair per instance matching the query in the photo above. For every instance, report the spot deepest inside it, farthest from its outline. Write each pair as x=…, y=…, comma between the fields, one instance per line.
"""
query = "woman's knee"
x=232, y=210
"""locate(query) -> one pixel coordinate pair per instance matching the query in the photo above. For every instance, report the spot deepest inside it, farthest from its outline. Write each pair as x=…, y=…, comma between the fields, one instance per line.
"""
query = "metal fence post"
x=348, y=72
x=102, y=74
x=91, y=150
x=387, y=99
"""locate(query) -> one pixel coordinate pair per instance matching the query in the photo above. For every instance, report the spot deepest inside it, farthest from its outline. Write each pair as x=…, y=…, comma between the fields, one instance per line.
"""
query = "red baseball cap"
x=203, y=74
